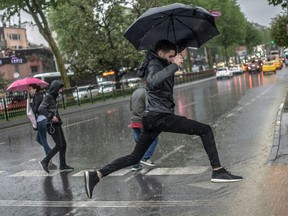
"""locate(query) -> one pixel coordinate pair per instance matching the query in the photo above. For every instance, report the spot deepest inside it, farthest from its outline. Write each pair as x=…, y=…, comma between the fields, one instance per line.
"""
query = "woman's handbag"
x=30, y=114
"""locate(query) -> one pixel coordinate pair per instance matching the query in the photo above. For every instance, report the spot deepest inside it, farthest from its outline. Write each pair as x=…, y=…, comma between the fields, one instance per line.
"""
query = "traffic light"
x=272, y=42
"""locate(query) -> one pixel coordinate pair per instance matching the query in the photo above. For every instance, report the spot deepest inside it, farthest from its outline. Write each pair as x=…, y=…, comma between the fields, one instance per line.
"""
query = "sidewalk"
x=65, y=112
x=71, y=110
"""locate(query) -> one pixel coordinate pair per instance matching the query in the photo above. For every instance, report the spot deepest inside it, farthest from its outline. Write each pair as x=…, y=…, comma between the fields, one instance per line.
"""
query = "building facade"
x=18, y=58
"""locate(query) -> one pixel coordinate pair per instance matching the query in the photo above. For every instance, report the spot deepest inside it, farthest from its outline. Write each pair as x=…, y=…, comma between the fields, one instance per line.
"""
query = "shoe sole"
x=86, y=180
x=43, y=167
x=147, y=164
x=135, y=170
x=225, y=180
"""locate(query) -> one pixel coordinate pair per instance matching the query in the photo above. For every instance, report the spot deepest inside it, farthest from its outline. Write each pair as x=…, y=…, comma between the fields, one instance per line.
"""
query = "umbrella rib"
x=184, y=25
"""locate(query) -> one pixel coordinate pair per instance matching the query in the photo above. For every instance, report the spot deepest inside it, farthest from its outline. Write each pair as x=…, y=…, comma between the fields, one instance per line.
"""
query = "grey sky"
x=259, y=11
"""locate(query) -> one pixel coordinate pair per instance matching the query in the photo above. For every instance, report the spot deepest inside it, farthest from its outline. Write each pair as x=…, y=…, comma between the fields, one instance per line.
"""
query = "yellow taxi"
x=277, y=64
x=220, y=64
x=268, y=67
x=244, y=67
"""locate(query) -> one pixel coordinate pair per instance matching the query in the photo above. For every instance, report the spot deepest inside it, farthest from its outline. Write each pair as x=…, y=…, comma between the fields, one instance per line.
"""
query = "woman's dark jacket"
x=160, y=83
x=48, y=107
x=37, y=99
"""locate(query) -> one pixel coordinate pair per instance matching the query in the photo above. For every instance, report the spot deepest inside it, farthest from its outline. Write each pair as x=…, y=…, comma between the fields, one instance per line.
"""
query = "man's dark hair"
x=35, y=86
x=165, y=46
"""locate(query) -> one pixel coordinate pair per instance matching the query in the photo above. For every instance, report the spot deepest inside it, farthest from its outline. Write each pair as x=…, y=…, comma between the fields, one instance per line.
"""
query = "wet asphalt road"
x=242, y=112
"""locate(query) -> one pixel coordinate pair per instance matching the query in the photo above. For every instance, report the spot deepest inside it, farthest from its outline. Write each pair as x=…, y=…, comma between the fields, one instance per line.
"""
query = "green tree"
x=283, y=3
x=279, y=30
x=38, y=10
x=253, y=37
x=90, y=33
x=3, y=82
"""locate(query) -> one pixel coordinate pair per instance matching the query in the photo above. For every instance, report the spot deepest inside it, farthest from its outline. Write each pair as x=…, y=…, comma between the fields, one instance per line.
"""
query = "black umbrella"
x=185, y=25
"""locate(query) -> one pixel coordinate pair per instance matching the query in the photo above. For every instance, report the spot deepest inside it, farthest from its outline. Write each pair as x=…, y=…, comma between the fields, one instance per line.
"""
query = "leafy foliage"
x=3, y=82
x=90, y=34
x=283, y=3
x=279, y=30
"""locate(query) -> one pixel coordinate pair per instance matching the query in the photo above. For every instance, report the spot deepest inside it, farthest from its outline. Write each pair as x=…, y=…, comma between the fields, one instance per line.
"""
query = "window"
x=15, y=37
x=34, y=69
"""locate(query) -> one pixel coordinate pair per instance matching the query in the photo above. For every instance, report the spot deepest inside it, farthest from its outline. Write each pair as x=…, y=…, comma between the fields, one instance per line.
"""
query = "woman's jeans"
x=60, y=146
x=153, y=125
x=151, y=149
x=42, y=136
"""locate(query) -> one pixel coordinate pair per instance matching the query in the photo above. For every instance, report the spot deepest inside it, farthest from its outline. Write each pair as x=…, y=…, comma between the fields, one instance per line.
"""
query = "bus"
x=50, y=76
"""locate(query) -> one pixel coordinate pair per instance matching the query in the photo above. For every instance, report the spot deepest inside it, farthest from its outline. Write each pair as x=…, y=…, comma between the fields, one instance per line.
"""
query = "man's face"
x=31, y=90
x=167, y=55
x=60, y=90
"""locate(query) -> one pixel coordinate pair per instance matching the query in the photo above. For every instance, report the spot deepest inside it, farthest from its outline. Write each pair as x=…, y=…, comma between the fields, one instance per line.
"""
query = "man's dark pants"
x=60, y=145
x=154, y=124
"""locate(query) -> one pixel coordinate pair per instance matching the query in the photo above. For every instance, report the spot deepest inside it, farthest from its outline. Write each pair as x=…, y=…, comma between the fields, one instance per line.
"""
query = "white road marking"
x=146, y=170
x=32, y=173
x=230, y=115
x=1, y=172
x=170, y=153
x=80, y=122
x=207, y=185
x=240, y=108
x=121, y=172
x=2, y=143
x=187, y=105
x=178, y=170
x=101, y=204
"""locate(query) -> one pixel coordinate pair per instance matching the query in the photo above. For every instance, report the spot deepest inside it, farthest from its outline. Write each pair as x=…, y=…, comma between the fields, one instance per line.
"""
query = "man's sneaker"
x=148, y=162
x=136, y=168
x=66, y=168
x=222, y=175
x=44, y=166
x=91, y=179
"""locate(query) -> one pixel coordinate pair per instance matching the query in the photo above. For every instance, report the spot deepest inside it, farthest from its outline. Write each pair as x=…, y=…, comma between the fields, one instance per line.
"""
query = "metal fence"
x=13, y=107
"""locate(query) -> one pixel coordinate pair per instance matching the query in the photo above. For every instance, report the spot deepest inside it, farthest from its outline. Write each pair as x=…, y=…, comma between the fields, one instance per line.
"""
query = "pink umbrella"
x=23, y=84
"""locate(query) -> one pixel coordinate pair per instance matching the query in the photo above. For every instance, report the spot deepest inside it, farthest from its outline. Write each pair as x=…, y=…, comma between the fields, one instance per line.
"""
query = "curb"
x=277, y=134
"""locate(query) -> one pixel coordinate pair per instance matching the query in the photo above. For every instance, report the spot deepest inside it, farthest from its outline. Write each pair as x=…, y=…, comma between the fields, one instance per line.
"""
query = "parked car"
x=13, y=103
x=269, y=67
x=198, y=68
x=134, y=82
x=236, y=69
x=84, y=91
x=223, y=72
x=107, y=86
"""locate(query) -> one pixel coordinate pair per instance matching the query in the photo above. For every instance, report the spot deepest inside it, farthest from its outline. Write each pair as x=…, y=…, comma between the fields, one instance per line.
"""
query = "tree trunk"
x=59, y=62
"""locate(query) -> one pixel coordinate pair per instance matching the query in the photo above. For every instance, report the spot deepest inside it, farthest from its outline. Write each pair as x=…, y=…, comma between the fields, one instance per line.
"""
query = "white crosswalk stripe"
x=193, y=170
x=34, y=173
x=178, y=171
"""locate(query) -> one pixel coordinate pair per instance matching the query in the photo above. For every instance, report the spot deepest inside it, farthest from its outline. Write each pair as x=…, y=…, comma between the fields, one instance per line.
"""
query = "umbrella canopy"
x=23, y=84
x=185, y=25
